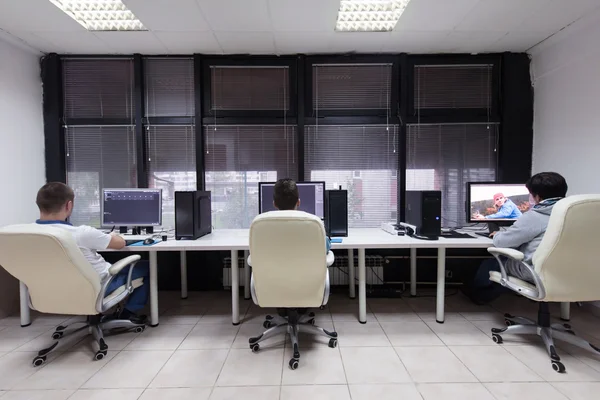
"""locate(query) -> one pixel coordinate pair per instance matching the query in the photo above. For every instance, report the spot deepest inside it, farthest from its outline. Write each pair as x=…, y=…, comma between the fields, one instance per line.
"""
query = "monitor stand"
x=123, y=230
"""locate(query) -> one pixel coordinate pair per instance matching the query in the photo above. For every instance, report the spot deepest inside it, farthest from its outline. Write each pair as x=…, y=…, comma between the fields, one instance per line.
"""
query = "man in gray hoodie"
x=525, y=235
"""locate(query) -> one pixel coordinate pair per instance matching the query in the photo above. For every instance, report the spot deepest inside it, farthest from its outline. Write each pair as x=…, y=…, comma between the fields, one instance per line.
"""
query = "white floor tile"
x=68, y=371
x=315, y=392
x=530, y=391
x=404, y=391
x=183, y=315
x=494, y=364
x=129, y=369
x=163, y=337
x=354, y=334
x=220, y=315
x=107, y=394
x=588, y=357
x=399, y=312
x=16, y=367
x=210, y=336
x=579, y=390
x=191, y=368
x=454, y=391
x=373, y=365
x=13, y=337
x=460, y=333
x=536, y=358
x=115, y=343
x=38, y=395
x=177, y=394
x=319, y=365
x=45, y=340
x=246, y=393
x=434, y=364
x=244, y=368
x=410, y=334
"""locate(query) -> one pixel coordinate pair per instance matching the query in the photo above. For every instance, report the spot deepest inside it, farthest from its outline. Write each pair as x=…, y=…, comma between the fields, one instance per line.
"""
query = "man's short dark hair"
x=285, y=194
x=547, y=185
x=53, y=196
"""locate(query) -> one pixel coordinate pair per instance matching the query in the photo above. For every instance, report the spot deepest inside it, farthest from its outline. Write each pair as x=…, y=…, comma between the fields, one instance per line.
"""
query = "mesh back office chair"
x=565, y=269
x=61, y=281
x=289, y=272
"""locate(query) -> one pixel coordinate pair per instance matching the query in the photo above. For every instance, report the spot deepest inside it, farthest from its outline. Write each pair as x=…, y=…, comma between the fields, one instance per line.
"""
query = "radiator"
x=338, y=272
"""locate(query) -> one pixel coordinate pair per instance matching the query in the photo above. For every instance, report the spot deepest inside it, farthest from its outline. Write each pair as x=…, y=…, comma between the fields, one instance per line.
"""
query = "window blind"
x=98, y=157
x=361, y=159
x=236, y=159
x=171, y=152
x=446, y=157
x=94, y=88
x=169, y=87
x=249, y=88
x=452, y=86
x=351, y=87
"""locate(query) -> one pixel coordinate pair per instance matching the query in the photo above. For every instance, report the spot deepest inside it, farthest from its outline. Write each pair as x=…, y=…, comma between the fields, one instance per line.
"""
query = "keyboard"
x=484, y=234
x=131, y=239
x=455, y=235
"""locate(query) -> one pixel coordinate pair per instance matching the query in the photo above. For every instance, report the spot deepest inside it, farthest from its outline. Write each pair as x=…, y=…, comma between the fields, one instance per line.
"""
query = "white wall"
x=566, y=76
x=22, y=169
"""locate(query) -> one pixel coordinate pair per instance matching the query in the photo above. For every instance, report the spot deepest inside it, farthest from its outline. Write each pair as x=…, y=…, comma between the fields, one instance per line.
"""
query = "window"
x=446, y=157
x=262, y=88
x=236, y=159
x=335, y=153
x=169, y=87
x=98, y=157
x=171, y=152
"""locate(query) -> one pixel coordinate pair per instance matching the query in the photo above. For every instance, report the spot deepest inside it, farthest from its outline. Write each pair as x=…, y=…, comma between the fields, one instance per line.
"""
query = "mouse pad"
x=336, y=240
x=141, y=243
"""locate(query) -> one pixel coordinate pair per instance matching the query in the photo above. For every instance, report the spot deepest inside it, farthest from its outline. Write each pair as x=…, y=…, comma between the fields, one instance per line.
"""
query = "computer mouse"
x=148, y=241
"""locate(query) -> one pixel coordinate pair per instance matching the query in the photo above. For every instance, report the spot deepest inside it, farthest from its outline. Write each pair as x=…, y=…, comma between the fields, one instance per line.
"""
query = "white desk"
x=235, y=240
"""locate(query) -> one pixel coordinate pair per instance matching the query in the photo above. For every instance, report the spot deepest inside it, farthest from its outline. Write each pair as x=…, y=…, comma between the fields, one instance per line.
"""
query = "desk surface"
x=362, y=238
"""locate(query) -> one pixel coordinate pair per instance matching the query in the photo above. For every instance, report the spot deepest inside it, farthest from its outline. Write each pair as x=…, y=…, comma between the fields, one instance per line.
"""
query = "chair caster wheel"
x=139, y=329
x=311, y=314
x=507, y=315
x=294, y=364
x=267, y=324
x=57, y=335
x=497, y=338
x=255, y=348
x=333, y=343
x=39, y=361
x=567, y=326
x=311, y=321
x=508, y=322
x=558, y=367
x=269, y=317
x=571, y=332
x=100, y=355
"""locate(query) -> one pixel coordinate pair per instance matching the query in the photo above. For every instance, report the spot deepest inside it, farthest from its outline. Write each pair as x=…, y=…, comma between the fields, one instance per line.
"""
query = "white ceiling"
x=294, y=26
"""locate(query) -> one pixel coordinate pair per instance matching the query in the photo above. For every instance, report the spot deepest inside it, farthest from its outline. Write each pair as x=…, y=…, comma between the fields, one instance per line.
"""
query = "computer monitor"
x=312, y=197
x=131, y=207
x=496, y=202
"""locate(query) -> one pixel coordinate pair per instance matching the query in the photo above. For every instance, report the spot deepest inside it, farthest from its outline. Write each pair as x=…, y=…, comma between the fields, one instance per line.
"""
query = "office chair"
x=565, y=269
x=289, y=272
x=61, y=281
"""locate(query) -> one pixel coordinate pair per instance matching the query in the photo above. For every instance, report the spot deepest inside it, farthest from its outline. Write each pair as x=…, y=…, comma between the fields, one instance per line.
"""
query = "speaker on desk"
x=336, y=213
x=193, y=217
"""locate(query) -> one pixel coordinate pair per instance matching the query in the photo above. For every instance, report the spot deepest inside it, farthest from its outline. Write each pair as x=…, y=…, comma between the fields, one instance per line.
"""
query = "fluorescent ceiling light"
x=369, y=15
x=100, y=15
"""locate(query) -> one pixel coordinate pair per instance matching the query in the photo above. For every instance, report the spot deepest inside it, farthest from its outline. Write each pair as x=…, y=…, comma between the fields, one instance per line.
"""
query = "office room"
x=277, y=199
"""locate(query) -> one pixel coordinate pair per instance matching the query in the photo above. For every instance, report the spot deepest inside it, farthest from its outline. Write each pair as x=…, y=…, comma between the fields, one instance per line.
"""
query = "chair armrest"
x=510, y=253
x=249, y=261
x=119, y=265
x=330, y=258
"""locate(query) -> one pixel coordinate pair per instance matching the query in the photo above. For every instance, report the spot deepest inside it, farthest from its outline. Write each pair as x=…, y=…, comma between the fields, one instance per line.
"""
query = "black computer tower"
x=193, y=217
x=336, y=213
x=424, y=210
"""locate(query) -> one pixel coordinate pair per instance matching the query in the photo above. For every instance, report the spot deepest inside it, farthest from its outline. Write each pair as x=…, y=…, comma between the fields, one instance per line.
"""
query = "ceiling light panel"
x=369, y=15
x=100, y=15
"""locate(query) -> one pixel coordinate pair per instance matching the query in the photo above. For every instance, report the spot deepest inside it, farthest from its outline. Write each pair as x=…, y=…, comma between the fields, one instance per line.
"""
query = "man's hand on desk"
x=493, y=234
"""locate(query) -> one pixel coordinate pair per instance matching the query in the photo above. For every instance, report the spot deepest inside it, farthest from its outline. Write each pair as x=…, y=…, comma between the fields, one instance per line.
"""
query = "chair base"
x=291, y=322
x=97, y=326
x=547, y=331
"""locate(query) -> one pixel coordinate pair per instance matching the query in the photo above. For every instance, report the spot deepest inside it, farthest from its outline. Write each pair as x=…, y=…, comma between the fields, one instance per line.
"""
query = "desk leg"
x=235, y=288
x=413, y=272
x=246, y=276
x=351, y=277
x=153, y=288
x=441, y=285
x=184, y=280
x=362, y=287
x=25, y=311
x=565, y=311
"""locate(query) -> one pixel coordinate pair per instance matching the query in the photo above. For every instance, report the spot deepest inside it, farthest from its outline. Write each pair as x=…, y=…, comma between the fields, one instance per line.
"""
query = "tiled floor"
x=401, y=353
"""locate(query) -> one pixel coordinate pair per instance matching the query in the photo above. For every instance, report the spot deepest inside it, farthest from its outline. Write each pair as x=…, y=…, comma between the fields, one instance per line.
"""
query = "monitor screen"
x=489, y=202
x=312, y=197
x=131, y=207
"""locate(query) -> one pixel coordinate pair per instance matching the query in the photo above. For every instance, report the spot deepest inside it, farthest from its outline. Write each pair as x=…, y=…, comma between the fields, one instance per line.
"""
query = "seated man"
x=525, y=235
x=287, y=197
x=505, y=207
x=55, y=201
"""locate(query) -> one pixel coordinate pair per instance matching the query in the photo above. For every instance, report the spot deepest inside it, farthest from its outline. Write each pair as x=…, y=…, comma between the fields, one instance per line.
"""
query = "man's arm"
x=521, y=232
x=116, y=242
x=95, y=239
